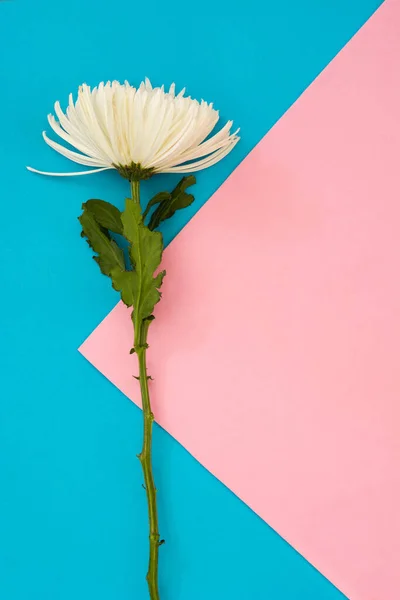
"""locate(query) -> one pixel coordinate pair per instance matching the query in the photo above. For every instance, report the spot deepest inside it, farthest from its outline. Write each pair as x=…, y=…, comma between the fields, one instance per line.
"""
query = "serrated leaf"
x=158, y=198
x=175, y=201
x=110, y=256
x=124, y=282
x=145, y=252
x=107, y=215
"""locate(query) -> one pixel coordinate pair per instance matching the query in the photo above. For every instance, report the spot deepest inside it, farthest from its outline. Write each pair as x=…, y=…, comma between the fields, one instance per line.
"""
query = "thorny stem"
x=145, y=456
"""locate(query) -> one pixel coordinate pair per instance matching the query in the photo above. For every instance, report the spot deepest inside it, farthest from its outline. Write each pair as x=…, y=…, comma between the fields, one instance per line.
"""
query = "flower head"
x=138, y=131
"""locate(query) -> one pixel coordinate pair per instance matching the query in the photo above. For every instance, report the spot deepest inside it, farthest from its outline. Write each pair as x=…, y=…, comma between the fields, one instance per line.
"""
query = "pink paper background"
x=275, y=350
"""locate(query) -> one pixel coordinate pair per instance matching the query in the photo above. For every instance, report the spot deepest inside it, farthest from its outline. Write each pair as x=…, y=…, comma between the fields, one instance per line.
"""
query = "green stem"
x=135, y=190
x=141, y=328
x=145, y=460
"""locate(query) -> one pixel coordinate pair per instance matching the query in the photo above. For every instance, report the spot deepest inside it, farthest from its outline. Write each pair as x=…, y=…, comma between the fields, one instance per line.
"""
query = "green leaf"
x=145, y=252
x=124, y=282
x=156, y=200
x=175, y=201
x=110, y=256
x=107, y=215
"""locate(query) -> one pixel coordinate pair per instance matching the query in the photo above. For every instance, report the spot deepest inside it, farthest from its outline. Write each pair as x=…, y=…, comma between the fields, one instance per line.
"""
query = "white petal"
x=81, y=159
x=69, y=174
x=220, y=140
x=78, y=130
x=205, y=162
x=184, y=126
x=68, y=138
x=102, y=135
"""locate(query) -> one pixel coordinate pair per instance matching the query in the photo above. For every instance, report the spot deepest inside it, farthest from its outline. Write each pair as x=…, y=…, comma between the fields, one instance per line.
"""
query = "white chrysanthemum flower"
x=139, y=131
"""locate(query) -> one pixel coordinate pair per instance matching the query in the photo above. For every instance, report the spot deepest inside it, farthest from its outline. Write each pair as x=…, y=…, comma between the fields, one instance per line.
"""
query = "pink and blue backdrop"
x=323, y=276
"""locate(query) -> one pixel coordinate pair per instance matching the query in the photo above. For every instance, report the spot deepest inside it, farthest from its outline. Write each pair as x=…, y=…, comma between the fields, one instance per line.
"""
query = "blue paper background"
x=72, y=510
